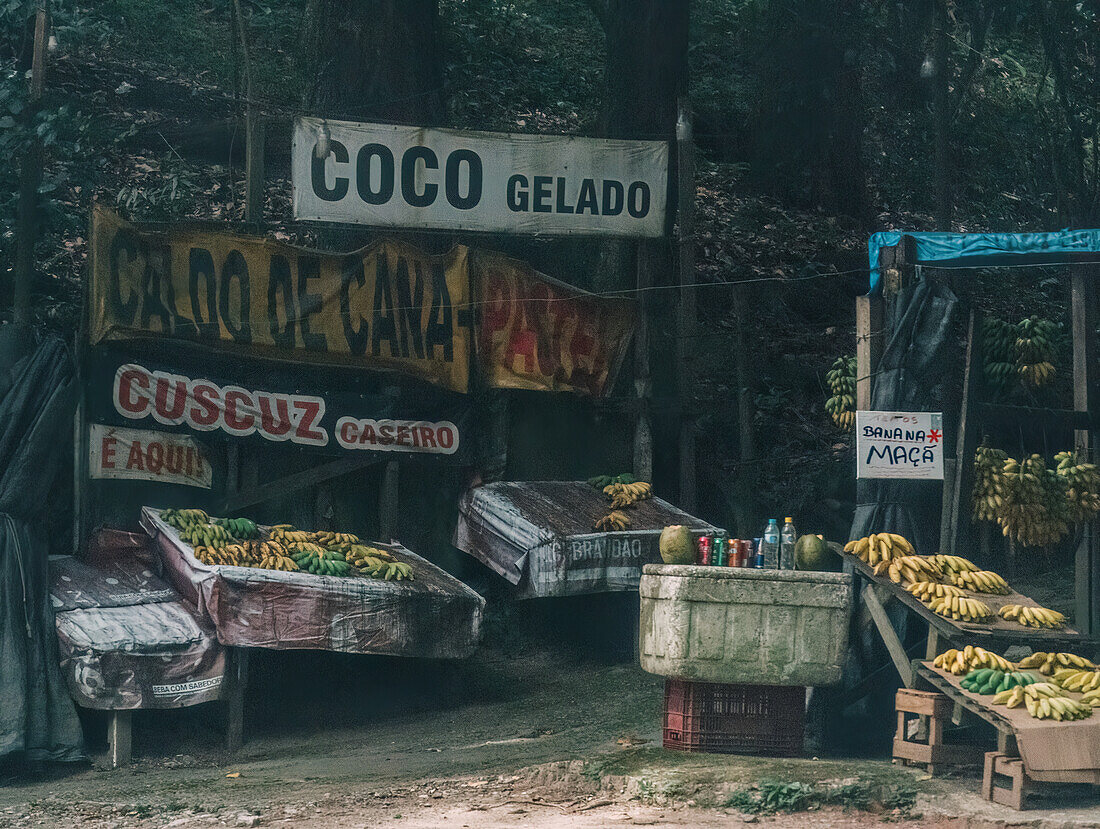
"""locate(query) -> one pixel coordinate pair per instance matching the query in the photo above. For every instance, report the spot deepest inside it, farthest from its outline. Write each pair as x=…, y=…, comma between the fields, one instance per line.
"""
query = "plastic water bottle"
x=787, y=538
x=770, y=545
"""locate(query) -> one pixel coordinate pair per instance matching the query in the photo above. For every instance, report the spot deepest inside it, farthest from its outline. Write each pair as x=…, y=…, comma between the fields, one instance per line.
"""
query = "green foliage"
x=771, y=797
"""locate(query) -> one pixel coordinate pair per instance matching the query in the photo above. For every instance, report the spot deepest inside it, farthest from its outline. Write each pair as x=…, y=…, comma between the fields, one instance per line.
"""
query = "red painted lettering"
x=154, y=457
x=276, y=428
x=107, y=452
x=238, y=404
x=204, y=414
x=311, y=412
x=128, y=402
x=136, y=459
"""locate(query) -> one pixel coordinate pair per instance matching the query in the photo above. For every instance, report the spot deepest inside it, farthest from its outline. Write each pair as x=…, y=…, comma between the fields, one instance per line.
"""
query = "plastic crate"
x=734, y=719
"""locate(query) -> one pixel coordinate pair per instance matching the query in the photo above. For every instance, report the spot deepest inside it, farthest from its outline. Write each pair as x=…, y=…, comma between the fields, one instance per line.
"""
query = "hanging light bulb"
x=324, y=142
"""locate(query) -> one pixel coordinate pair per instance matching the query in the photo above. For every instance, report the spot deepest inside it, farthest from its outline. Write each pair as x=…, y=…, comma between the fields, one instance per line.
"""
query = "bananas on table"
x=961, y=608
x=962, y=661
x=980, y=581
x=1036, y=617
x=1075, y=679
x=909, y=569
x=1044, y=700
x=879, y=547
x=926, y=591
x=1048, y=663
x=992, y=681
x=623, y=491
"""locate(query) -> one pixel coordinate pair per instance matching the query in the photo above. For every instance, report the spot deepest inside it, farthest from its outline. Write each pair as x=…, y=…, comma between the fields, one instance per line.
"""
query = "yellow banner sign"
x=387, y=306
x=537, y=333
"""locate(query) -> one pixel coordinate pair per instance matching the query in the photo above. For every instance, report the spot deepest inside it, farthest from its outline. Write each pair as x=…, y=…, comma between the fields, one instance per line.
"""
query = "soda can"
x=718, y=556
x=758, y=546
x=704, y=548
x=733, y=552
x=748, y=553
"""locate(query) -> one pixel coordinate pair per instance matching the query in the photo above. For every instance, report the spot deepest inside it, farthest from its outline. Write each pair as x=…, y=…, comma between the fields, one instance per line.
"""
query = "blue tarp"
x=969, y=249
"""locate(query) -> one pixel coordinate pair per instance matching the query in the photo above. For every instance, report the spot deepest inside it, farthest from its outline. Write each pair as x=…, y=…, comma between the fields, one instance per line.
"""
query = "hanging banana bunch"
x=1035, y=507
x=1082, y=485
x=987, y=497
x=1035, y=351
x=841, y=379
x=998, y=349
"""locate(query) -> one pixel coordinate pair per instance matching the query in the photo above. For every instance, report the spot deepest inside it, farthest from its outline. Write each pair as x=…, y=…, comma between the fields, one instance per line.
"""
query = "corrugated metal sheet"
x=539, y=536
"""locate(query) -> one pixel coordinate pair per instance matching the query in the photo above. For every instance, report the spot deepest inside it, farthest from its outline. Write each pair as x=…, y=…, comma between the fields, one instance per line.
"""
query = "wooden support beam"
x=119, y=738
x=643, y=424
x=869, y=322
x=889, y=636
x=955, y=523
x=254, y=167
x=297, y=481
x=1083, y=295
x=685, y=310
x=387, y=502
x=238, y=685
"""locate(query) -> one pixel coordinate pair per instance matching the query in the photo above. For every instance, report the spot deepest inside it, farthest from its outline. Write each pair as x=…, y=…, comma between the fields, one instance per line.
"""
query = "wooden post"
x=954, y=523
x=643, y=427
x=1083, y=311
x=80, y=474
x=686, y=315
x=238, y=684
x=868, y=346
x=30, y=175
x=119, y=738
x=889, y=636
x=387, y=502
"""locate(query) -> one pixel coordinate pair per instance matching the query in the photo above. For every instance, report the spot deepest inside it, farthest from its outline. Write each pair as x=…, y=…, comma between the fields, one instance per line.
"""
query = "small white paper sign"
x=899, y=445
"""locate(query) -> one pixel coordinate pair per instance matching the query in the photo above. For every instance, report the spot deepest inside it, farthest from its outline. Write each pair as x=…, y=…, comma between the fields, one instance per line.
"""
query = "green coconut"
x=811, y=552
x=677, y=545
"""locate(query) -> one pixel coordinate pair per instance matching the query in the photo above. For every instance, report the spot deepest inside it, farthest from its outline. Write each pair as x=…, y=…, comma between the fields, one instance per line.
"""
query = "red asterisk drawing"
x=934, y=435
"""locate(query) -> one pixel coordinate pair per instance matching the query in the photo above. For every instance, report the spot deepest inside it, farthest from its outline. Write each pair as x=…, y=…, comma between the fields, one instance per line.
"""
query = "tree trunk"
x=384, y=61
x=646, y=67
x=941, y=113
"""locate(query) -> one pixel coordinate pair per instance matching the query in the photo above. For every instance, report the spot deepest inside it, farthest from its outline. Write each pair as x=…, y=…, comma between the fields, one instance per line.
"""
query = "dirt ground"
x=539, y=737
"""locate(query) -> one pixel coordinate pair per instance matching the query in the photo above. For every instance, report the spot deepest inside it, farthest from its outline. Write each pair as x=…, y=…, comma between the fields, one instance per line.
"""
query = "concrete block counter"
x=743, y=625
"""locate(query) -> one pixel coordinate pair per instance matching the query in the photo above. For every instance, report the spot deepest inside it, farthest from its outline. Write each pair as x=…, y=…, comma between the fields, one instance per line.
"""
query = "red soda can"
x=748, y=553
x=704, y=550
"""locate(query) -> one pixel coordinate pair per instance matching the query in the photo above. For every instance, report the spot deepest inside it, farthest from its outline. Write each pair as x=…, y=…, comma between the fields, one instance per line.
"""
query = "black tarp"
x=910, y=377
x=38, y=720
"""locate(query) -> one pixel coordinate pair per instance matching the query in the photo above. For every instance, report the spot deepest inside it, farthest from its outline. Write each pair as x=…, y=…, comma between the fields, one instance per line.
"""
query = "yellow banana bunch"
x=926, y=591
x=1056, y=708
x=970, y=658
x=1034, y=349
x=294, y=547
x=615, y=520
x=1091, y=698
x=961, y=608
x=327, y=538
x=278, y=562
x=909, y=569
x=842, y=383
x=1073, y=679
x=988, y=494
x=980, y=581
x=1048, y=663
x=951, y=564
x=623, y=495
x=360, y=555
x=879, y=547
x=1036, y=617
x=1035, y=509
x=287, y=534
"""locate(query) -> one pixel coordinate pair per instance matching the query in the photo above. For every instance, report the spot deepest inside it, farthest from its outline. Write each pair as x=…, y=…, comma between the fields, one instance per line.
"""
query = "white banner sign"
x=899, y=445
x=395, y=176
x=148, y=456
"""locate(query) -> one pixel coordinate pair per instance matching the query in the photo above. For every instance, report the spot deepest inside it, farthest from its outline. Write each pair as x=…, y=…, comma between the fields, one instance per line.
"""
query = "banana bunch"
x=991, y=681
x=181, y=518
x=910, y=569
x=961, y=608
x=998, y=348
x=1082, y=485
x=841, y=379
x=926, y=591
x=601, y=481
x=614, y=520
x=1034, y=349
x=205, y=535
x=327, y=538
x=960, y=662
x=1056, y=708
x=1074, y=679
x=1034, y=511
x=952, y=564
x=278, y=562
x=980, y=581
x=392, y=571
x=624, y=495
x=287, y=534
x=1036, y=617
x=242, y=528
x=360, y=555
x=987, y=496
x=879, y=547
x=321, y=562
x=1091, y=698
x=1048, y=663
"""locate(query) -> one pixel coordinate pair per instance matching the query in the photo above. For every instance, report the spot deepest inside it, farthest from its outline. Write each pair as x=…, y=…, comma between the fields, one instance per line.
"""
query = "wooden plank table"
x=877, y=590
x=1006, y=734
